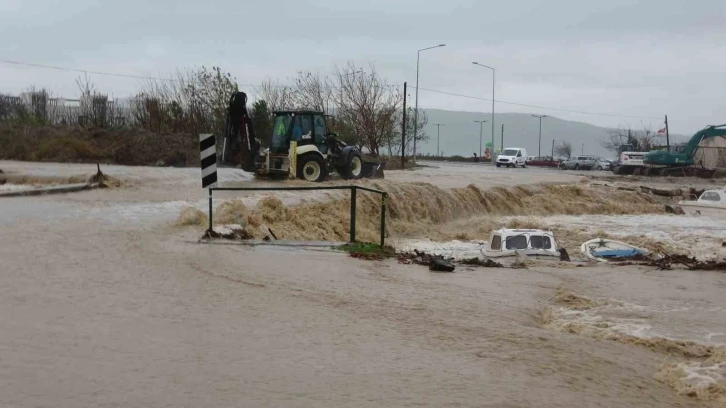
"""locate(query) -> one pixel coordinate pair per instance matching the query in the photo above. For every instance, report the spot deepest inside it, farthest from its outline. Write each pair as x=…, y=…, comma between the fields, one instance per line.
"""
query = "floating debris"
x=487, y=263
x=422, y=258
x=441, y=265
x=674, y=209
x=668, y=261
x=233, y=232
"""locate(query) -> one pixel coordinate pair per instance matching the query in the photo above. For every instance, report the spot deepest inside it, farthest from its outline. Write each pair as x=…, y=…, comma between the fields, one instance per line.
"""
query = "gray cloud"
x=638, y=58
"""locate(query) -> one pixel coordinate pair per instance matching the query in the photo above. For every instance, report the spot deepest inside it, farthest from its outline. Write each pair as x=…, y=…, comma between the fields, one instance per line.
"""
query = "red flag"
x=662, y=131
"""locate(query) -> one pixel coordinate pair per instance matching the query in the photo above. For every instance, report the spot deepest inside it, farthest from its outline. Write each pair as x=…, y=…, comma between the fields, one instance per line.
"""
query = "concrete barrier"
x=62, y=189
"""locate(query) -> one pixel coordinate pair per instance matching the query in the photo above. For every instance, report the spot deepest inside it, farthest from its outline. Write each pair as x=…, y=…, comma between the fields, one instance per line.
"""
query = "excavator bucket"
x=373, y=170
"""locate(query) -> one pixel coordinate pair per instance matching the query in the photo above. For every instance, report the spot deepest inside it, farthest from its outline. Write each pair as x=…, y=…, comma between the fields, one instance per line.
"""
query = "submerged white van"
x=512, y=157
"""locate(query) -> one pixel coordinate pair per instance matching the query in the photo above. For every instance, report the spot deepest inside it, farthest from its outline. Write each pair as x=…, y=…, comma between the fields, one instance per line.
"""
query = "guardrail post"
x=384, y=202
x=352, y=213
x=210, y=209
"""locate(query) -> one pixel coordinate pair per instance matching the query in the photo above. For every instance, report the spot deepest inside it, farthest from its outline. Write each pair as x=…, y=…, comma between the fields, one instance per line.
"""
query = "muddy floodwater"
x=108, y=300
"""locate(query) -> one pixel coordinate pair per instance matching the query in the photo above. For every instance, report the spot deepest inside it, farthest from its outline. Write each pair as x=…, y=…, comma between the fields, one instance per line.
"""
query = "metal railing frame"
x=353, y=200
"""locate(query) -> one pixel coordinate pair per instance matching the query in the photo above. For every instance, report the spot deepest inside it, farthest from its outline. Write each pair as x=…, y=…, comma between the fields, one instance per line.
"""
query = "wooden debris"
x=422, y=258
x=661, y=192
x=228, y=233
x=668, y=261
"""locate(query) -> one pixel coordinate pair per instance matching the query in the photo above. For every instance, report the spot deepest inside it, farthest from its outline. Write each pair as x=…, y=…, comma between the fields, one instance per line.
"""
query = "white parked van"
x=512, y=157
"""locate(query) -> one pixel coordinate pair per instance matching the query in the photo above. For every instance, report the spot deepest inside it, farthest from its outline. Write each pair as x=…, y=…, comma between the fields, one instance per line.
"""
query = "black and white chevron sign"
x=208, y=147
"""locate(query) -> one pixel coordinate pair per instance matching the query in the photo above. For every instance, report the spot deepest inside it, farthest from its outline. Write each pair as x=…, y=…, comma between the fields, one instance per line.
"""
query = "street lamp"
x=415, y=114
x=539, y=152
x=481, y=126
x=493, y=74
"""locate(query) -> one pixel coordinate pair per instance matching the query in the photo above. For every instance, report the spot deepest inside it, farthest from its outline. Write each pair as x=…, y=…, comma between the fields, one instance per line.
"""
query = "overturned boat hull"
x=604, y=250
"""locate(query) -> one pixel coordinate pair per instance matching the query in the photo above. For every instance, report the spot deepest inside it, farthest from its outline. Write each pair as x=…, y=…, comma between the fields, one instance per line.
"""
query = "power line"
x=539, y=106
x=85, y=71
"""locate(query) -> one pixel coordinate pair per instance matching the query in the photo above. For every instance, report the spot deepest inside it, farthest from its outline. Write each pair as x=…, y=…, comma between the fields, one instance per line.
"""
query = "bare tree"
x=277, y=96
x=563, y=149
x=312, y=91
x=367, y=104
x=639, y=140
x=194, y=100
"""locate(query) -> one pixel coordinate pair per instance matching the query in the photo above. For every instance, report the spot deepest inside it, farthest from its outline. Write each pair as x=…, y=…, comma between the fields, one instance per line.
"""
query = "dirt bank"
x=83, y=145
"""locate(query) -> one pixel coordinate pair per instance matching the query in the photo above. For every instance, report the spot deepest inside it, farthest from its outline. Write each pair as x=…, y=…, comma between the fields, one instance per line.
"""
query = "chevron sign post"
x=208, y=149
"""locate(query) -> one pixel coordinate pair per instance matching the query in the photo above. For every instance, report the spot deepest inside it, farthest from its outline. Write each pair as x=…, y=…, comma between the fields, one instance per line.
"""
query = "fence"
x=353, y=194
x=38, y=107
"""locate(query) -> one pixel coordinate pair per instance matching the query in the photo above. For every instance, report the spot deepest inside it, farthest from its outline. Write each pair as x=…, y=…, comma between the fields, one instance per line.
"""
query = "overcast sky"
x=633, y=58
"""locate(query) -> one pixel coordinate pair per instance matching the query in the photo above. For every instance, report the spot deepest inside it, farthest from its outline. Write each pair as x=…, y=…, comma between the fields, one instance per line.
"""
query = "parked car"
x=603, y=164
x=579, y=163
x=512, y=157
x=543, y=161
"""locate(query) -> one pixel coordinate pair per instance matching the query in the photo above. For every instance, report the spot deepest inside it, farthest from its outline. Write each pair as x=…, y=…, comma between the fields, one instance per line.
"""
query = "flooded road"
x=103, y=307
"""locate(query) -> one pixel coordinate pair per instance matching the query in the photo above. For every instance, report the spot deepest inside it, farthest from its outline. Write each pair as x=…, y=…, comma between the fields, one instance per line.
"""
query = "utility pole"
x=481, y=127
x=539, y=152
x=583, y=148
x=668, y=138
x=502, y=137
x=553, y=149
x=438, y=130
x=403, y=130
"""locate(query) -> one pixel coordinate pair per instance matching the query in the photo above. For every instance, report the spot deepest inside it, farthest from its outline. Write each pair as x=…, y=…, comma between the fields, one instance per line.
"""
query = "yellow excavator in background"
x=316, y=151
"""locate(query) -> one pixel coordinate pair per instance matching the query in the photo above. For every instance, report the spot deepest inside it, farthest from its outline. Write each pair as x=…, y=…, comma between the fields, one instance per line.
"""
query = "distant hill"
x=460, y=135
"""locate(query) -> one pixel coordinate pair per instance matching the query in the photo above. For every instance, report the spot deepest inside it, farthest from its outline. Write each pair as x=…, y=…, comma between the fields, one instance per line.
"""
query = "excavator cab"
x=304, y=127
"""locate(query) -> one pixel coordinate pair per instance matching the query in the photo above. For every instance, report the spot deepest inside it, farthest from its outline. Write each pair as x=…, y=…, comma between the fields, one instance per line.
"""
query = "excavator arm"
x=707, y=133
x=686, y=158
x=240, y=144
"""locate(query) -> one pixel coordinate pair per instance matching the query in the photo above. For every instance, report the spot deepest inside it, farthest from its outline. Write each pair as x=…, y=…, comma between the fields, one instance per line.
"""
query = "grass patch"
x=367, y=250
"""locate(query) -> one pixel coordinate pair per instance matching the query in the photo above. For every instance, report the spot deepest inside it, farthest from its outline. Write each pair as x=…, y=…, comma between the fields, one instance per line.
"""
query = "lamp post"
x=438, y=133
x=481, y=127
x=415, y=114
x=539, y=151
x=493, y=84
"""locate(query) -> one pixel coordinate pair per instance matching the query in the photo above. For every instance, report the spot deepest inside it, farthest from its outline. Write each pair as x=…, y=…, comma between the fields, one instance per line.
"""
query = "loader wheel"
x=311, y=167
x=353, y=168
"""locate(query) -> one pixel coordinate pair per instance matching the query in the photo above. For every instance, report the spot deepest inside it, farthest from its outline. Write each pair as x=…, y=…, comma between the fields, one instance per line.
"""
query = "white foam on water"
x=700, y=376
x=456, y=249
x=702, y=236
x=635, y=320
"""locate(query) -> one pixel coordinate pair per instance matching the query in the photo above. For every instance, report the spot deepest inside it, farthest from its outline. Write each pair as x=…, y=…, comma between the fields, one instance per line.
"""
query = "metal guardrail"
x=353, y=199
